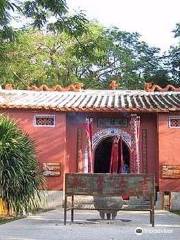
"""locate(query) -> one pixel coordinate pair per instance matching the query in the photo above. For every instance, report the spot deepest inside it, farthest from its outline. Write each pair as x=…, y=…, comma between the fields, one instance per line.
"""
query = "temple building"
x=129, y=131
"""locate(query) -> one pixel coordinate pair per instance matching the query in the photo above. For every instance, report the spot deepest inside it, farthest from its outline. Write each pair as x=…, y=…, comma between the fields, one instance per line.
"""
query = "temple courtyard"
x=88, y=226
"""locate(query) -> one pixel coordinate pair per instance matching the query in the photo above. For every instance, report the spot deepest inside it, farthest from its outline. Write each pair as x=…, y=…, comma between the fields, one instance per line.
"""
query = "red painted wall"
x=169, y=151
x=148, y=121
x=59, y=144
x=50, y=142
x=74, y=122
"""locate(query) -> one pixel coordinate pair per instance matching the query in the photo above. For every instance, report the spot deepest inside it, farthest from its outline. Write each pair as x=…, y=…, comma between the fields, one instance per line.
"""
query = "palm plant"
x=7, y=7
x=20, y=176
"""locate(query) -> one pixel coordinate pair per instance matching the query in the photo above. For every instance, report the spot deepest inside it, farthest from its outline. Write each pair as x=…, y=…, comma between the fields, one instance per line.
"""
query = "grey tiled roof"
x=91, y=100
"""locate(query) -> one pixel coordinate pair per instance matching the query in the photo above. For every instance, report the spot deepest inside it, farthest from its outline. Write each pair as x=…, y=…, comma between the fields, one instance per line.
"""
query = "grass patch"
x=176, y=212
x=4, y=220
x=41, y=210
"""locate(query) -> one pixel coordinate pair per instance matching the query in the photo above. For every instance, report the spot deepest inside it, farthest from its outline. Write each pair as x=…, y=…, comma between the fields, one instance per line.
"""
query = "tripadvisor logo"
x=139, y=231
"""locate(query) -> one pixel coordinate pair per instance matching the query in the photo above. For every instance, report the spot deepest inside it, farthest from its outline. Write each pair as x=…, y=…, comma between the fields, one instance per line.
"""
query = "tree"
x=121, y=56
x=6, y=31
x=177, y=31
x=174, y=64
x=41, y=12
x=172, y=59
x=161, y=78
x=102, y=55
x=20, y=176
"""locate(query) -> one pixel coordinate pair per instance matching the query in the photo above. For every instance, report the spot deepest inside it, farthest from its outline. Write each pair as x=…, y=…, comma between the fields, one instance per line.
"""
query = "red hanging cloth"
x=114, y=156
x=117, y=161
x=135, y=156
x=121, y=159
x=89, y=129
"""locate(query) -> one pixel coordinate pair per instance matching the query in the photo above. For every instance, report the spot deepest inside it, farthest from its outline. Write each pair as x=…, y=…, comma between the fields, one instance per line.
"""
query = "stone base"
x=168, y=202
x=175, y=201
x=158, y=204
x=51, y=199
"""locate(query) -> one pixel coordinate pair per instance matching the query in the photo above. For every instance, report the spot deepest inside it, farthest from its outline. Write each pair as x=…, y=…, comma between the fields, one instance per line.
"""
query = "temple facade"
x=76, y=132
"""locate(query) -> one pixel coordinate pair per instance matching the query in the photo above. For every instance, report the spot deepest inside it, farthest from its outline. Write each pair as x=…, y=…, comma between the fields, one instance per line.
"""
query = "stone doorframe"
x=99, y=136
x=110, y=132
x=129, y=138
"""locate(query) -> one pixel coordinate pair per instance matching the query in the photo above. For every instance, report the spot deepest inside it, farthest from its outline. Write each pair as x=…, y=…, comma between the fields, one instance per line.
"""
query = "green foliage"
x=177, y=31
x=161, y=78
x=172, y=59
x=6, y=31
x=20, y=177
x=174, y=64
x=70, y=49
x=41, y=11
x=5, y=8
x=97, y=57
x=18, y=54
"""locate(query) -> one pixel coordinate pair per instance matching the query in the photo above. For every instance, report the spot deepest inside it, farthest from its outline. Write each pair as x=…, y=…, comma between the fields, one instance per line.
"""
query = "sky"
x=153, y=19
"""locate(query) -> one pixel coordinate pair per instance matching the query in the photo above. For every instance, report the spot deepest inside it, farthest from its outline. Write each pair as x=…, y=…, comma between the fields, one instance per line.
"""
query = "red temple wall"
x=59, y=143
x=50, y=142
x=148, y=123
x=169, y=151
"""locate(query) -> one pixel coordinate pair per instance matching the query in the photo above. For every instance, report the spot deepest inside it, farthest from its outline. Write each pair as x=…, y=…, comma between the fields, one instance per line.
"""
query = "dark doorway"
x=102, y=155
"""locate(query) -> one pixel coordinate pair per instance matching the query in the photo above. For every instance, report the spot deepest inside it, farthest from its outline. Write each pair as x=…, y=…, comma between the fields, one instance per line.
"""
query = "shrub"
x=20, y=176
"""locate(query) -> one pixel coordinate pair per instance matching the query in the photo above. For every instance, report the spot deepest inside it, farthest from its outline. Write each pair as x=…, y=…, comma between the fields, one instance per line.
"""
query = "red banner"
x=135, y=156
x=114, y=156
x=89, y=129
x=116, y=163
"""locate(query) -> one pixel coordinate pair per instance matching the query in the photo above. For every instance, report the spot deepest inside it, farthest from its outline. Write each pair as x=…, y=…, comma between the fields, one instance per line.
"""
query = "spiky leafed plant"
x=20, y=176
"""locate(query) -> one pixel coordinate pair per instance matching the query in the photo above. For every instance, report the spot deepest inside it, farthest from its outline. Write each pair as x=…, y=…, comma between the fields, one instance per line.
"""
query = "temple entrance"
x=102, y=156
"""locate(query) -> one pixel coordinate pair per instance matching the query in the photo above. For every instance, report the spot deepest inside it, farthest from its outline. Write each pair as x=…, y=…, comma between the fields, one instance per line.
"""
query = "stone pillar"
x=175, y=201
x=135, y=155
x=79, y=156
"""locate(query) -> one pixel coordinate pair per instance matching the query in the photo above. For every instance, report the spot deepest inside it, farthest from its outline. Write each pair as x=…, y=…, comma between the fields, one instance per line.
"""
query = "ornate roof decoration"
x=91, y=100
x=151, y=87
x=8, y=86
x=72, y=87
x=113, y=85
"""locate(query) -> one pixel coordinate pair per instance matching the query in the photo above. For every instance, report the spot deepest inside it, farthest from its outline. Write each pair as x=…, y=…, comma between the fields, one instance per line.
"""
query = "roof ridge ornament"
x=76, y=87
x=8, y=86
x=113, y=85
x=152, y=87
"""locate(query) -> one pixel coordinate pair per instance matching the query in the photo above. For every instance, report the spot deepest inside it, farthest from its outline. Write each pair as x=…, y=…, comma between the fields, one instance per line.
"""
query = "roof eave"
x=71, y=109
